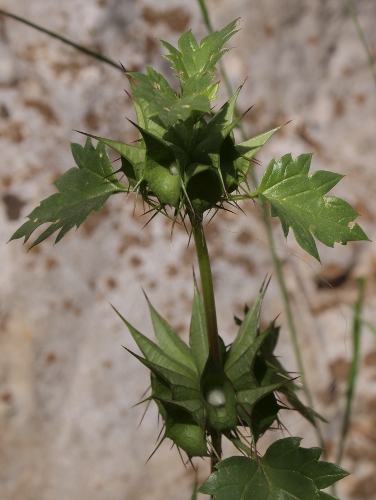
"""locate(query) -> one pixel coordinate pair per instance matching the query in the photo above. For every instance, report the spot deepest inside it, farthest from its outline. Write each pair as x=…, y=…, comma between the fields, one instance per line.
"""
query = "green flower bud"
x=189, y=437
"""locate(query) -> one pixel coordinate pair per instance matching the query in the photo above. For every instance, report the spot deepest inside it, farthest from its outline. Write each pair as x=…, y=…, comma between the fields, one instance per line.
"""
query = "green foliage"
x=187, y=159
x=194, y=60
x=81, y=191
x=194, y=394
x=298, y=200
x=285, y=471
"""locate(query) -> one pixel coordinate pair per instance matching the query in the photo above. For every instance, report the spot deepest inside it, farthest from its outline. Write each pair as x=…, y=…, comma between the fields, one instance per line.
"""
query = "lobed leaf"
x=134, y=155
x=285, y=471
x=162, y=100
x=192, y=58
x=298, y=200
x=82, y=190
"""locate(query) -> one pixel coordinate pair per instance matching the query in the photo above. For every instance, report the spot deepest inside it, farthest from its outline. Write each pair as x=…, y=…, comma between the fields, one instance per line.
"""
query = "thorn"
x=144, y=393
x=184, y=464
x=155, y=450
x=130, y=96
x=160, y=432
x=125, y=71
x=143, y=415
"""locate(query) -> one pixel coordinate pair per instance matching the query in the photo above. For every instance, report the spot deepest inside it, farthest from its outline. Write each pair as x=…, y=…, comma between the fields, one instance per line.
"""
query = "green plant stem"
x=351, y=379
x=276, y=261
x=86, y=51
x=210, y=315
x=362, y=38
x=207, y=288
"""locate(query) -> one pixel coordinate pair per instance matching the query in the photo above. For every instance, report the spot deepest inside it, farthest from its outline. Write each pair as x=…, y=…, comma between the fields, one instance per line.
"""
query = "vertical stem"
x=207, y=288
x=362, y=38
x=211, y=318
x=351, y=379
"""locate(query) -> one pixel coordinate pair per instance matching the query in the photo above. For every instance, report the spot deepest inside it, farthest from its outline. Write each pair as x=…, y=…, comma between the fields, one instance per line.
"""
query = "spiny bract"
x=195, y=395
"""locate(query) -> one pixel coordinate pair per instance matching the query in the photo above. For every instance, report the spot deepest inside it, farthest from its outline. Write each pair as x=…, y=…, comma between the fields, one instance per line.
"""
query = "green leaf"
x=258, y=407
x=298, y=200
x=286, y=471
x=134, y=155
x=163, y=102
x=263, y=414
x=241, y=371
x=251, y=396
x=194, y=407
x=170, y=342
x=155, y=354
x=211, y=137
x=198, y=337
x=82, y=190
x=183, y=388
x=193, y=58
x=326, y=496
x=141, y=107
x=252, y=146
x=247, y=331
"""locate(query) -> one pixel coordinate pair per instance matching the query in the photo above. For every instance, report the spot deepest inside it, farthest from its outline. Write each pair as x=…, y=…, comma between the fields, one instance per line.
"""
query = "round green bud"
x=165, y=183
x=189, y=437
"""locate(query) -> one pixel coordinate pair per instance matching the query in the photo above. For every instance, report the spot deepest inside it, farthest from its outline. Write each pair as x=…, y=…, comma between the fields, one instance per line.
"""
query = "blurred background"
x=67, y=429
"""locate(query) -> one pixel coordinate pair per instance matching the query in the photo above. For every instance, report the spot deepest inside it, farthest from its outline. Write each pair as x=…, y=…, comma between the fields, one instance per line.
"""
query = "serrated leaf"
x=193, y=58
x=298, y=200
x=247, y=331
x=155, y=354
x=134, y=155
x=82, y=190
x=163, y=102
x=172, y=111
x=170, y=342
x=198, y=337
x=284, y=472
x=141, y=107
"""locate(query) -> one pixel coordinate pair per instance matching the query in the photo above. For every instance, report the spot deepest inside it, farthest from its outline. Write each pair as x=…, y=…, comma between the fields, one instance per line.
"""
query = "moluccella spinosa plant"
x=185, y=166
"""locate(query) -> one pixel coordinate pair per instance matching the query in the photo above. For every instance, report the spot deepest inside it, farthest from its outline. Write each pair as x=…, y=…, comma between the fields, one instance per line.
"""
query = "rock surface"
x=66, y=386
